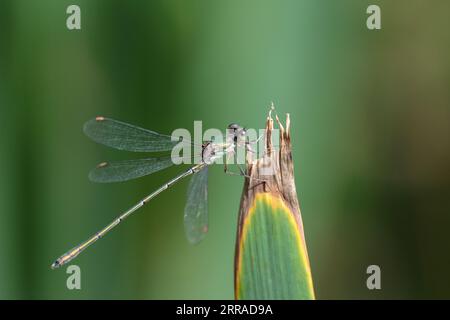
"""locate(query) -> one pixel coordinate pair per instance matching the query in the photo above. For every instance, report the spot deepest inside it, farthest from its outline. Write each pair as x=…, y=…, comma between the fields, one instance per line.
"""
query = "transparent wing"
x=126, y=170
x=124, y=136
x=196, y=210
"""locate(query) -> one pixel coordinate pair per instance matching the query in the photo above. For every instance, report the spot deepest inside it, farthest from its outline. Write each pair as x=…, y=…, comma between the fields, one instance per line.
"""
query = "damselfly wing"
x=196, y=209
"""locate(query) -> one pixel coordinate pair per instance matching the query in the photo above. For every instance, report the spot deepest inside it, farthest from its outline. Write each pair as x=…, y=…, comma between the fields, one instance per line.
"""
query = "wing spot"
x=99, y=118
x=102, y=165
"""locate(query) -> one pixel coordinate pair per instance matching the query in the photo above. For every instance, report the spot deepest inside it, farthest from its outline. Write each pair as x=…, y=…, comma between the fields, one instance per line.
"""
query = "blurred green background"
x=370, y=120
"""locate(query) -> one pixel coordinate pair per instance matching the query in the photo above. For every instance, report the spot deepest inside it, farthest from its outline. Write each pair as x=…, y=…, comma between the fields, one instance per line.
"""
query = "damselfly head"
x=236, y=132
x=234, y=126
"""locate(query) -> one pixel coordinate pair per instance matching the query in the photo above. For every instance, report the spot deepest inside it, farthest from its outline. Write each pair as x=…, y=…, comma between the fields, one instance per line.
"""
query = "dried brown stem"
x=280, y=181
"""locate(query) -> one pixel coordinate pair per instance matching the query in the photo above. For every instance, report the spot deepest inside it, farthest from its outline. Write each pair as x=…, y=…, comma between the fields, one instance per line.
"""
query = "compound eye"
x=233, y=126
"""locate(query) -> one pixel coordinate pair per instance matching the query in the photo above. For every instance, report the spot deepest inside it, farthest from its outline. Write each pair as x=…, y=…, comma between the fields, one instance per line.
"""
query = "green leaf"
x=272, y=261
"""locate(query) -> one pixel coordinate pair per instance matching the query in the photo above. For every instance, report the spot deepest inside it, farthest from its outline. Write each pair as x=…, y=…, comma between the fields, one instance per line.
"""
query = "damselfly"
x=123, y=136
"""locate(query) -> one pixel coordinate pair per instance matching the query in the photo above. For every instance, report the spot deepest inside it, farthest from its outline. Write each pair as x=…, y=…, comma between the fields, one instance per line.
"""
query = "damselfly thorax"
x=235, y=138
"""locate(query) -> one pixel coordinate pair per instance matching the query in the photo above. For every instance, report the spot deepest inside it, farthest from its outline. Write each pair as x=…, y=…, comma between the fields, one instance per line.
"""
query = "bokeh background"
x=370, y=120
